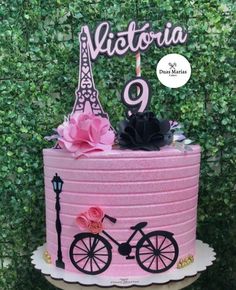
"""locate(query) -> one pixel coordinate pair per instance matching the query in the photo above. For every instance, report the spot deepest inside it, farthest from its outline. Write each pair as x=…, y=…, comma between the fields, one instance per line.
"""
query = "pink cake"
x=156, y=191
x=124, y=212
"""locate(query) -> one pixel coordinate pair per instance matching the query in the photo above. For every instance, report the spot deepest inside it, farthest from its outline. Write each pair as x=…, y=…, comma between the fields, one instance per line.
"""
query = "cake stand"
x=168, y=286
x=172, y=280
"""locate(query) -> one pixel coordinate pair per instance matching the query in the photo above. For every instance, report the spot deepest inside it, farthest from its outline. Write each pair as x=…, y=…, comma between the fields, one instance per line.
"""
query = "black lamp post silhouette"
x=57, y=187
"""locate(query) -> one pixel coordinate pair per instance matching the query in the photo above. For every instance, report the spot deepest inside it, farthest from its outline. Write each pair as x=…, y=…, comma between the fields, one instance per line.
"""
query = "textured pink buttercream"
x=159, y=187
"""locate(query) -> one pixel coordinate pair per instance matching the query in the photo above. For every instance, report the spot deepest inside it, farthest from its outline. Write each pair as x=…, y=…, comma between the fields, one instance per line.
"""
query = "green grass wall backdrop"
x=38, y=76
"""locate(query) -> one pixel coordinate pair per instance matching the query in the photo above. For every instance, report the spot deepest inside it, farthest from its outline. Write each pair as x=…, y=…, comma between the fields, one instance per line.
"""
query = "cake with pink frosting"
x=117, y=211
x=120, y=201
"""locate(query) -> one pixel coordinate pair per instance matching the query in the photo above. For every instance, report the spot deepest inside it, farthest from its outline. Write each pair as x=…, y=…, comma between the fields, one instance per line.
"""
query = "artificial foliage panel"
x=38, y=76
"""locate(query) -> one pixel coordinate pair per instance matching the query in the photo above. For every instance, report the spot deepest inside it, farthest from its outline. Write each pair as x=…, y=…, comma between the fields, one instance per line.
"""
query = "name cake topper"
x=134, y=39
x=104, y=42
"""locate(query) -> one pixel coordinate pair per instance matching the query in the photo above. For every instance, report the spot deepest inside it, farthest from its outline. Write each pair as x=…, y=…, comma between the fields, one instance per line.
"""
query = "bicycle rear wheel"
x=157, y=252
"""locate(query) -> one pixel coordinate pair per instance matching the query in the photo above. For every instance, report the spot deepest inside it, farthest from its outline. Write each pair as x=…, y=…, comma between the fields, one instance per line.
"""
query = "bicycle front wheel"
x=90, y=253
x=157, y=252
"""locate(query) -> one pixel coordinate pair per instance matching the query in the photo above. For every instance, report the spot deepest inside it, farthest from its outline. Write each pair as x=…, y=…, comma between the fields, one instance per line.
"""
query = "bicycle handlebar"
x=111, y=219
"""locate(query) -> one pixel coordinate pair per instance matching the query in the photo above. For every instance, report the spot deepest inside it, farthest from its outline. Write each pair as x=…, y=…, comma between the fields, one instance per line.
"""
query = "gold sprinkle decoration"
x=185, y=262
x=47, y=257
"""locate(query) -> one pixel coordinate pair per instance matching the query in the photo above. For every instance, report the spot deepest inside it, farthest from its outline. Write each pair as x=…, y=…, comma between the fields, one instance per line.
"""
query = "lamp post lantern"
x=57, y=183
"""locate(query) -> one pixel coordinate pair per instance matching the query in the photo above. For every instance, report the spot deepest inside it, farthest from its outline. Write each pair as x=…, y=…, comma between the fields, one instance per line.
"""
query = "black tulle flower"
x=143, y=131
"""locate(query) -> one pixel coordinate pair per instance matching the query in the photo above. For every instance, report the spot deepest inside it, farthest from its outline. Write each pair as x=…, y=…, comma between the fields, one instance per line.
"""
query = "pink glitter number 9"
x=142, y=99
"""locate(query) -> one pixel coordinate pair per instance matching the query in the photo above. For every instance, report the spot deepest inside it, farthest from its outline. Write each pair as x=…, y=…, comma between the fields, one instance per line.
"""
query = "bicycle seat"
x=139, y=226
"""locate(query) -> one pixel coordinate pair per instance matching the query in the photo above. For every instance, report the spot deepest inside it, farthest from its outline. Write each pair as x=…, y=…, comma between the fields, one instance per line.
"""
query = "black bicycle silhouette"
x=156, y=252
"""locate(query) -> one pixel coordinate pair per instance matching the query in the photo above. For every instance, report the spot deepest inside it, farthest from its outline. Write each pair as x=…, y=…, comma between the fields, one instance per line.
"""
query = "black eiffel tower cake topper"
x=87, y=96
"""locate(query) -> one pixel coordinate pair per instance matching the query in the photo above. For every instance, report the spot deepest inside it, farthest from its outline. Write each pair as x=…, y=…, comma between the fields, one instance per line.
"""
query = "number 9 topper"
x=138, y=101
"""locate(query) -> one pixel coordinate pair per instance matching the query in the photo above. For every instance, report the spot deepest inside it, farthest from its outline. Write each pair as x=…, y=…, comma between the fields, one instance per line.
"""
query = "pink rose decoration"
x=95, y=227
x=84, y=133
x=95, y=214
x=82, y=221
x=91, y=220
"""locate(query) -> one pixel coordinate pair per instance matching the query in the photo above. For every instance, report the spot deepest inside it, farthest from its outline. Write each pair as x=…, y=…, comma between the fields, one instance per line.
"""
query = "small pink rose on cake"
x=91, y=220
x=82, y=221
x=95, y=227
x=83, y=133
x=95, y=214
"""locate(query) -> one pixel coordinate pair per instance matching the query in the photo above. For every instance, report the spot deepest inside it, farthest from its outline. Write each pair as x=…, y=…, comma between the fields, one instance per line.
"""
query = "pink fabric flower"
x=95, y=227
x=82, y=221
x=95, y=214
x=84, y=133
